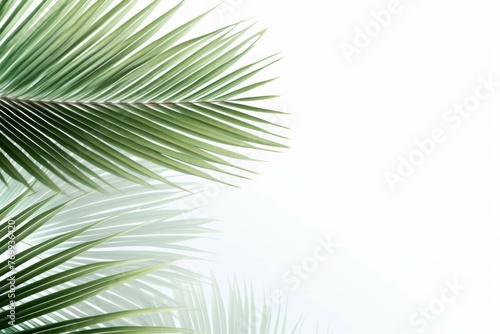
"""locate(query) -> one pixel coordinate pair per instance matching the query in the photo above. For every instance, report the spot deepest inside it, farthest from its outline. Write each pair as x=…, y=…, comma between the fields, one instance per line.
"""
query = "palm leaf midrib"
x=114, y=103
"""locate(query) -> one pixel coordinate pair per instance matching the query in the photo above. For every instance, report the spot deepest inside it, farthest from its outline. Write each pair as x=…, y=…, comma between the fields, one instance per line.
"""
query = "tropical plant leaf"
x=79, y=262
x=94, y=274
x=237, y=311
x=90, y=84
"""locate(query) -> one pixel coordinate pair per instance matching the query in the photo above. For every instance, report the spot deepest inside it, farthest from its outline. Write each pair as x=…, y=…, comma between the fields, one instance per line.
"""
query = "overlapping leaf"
x=80, y=264
x=82, y=84
x=239, y=313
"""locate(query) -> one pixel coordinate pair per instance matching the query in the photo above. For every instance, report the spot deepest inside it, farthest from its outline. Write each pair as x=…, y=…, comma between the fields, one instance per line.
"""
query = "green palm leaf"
x=112, y=269
x=85, y=84
x=237, y=313
x=78, y=273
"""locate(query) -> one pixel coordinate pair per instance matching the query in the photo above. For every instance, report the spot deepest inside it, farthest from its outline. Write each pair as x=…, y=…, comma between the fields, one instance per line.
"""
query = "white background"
x=351, y=122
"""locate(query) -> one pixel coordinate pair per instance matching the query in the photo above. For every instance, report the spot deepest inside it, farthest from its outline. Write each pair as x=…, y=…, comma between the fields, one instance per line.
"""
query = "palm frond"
x=240, y=313
x=90, y=272
x=235, y=309
x=85, y=83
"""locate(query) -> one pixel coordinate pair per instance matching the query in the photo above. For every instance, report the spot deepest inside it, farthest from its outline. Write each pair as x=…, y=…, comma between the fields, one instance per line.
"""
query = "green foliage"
x=96, y=95
x=98, y=268
x=85, y=84
x=240, y=313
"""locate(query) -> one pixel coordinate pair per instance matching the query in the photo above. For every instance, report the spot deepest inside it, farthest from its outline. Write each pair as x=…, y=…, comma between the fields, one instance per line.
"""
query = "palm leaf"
x=87, y=273
x=237, y=313
x=89, y=84
x=112, y=269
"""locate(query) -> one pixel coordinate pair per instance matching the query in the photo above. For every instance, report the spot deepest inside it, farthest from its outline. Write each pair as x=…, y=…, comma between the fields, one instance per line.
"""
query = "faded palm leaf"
x=124, y=241
x=83, y=83
x=75, y=273
x=238, y=313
